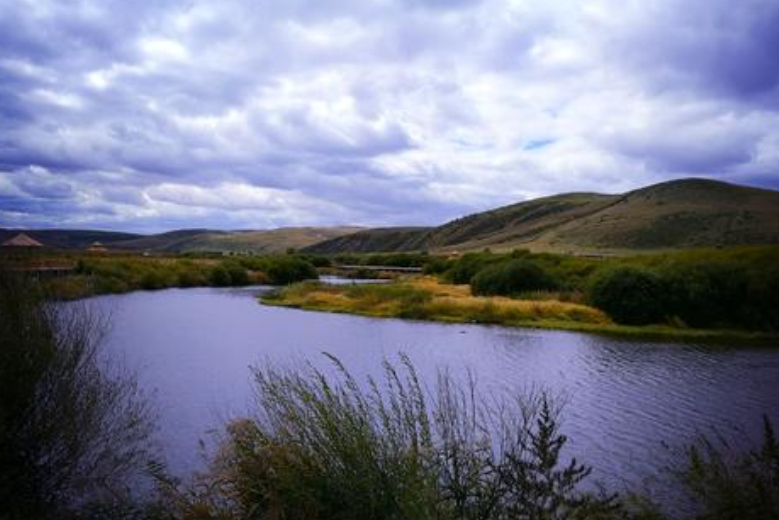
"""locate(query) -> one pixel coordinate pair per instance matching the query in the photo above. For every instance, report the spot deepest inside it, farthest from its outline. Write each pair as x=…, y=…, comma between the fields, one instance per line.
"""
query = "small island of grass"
x=425, y=298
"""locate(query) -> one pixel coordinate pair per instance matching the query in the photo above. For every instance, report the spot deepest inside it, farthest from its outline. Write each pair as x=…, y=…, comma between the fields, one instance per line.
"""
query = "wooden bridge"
x=380, y=268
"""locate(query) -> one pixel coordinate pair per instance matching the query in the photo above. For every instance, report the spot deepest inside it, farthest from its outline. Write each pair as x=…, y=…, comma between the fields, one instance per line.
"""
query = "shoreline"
x=470, y=310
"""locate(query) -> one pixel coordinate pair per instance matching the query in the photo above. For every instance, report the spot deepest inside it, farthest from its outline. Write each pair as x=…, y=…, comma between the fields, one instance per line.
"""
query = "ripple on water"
x=626, y=400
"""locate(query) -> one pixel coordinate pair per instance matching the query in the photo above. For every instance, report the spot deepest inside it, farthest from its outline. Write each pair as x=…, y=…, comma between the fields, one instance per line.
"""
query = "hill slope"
x=262, y=241
x=187, y=240
x=676, y=214
x=375, y=240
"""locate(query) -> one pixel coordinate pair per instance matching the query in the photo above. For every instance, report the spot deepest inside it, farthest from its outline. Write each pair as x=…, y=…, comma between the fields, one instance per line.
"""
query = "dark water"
x=625, y=399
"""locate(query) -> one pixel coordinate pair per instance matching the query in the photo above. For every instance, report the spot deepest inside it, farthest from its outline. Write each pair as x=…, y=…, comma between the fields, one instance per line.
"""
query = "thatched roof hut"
x=22, y=240
x=97, y=247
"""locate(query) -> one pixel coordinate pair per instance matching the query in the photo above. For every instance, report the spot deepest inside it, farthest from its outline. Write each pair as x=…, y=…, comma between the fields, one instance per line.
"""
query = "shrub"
x=220, y=277
x=725, y=486
x=291, y=269
x=238, y=274
x=332, y=448
x=510, y=278
x=153, y=279
x=436, y=265
x=319, y=261
x=629, y=295
x=68, y=430
x=711, y=293
x=466, y=267
x=191, y=278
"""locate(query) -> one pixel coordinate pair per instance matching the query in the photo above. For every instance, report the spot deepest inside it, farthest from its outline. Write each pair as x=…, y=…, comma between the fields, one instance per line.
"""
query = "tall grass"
x=333, y=447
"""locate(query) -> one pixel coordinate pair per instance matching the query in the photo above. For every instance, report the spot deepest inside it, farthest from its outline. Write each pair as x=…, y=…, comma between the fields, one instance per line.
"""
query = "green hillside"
x=375, y=240
x=518, y=223
x=187, y=240
x=677, y=214
x=262, y=241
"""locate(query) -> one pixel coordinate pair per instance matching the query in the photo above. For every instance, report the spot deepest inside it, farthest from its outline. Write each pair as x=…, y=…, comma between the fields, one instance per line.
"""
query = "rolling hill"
x=675, y=214
x=260, y=241
x=372, y=240
x=188, y=240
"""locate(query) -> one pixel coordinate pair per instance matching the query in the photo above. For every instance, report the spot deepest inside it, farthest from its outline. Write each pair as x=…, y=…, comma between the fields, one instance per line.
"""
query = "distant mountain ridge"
x=188, y=240
x=68, y=238
x=670, y=215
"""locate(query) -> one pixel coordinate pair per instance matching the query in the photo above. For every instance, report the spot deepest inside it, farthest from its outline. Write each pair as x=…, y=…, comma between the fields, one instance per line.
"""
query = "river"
x=628, y=402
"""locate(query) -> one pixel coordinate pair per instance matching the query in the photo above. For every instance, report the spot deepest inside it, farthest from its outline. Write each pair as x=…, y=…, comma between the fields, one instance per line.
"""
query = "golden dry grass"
x=426, y=298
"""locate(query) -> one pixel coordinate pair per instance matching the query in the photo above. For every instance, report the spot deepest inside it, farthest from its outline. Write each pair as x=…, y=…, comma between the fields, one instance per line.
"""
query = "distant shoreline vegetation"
x=120, y=273
x=728, y=293
x=698, y=294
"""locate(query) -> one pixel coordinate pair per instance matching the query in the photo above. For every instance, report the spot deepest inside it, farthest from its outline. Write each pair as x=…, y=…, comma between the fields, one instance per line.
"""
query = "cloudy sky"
x=148, y=115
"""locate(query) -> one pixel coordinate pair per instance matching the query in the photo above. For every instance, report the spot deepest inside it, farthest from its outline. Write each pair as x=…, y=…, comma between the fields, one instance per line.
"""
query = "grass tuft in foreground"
x=323, y=446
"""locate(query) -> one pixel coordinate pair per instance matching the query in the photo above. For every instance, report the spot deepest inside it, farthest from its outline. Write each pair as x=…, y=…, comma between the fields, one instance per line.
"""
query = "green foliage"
x=192, y=278
x=511, y=278
x=237, y=273
x=727, y=485
x=724, y=294
x=406, y=296
x=290, y=269
x=630, y=295
x=333, y=448
x=154, y=279
x=467, y=266
x=220, y=277
x=437, y=265
x=318, y=260
x=69, y=430
x=396, y=259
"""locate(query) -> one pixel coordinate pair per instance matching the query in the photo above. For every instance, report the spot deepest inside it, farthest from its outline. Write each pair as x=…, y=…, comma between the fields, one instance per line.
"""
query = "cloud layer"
x=148, y=116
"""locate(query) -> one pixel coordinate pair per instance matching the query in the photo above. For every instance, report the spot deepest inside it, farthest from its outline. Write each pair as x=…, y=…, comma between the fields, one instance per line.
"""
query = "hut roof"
x=22, y=240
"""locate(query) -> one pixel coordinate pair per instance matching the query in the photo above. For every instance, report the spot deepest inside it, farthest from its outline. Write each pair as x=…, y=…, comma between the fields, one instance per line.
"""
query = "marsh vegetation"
x=704, y=293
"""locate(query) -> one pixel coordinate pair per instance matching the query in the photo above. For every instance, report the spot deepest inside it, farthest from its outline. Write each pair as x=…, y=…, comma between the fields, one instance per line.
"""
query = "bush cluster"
x=629, y=295
x=511, y=277
x=285, y=270
x=733, y=288
x=711, y=294
x=121, y=274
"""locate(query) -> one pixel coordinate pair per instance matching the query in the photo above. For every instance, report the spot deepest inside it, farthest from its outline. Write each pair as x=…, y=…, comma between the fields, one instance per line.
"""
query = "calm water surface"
x=626, y=400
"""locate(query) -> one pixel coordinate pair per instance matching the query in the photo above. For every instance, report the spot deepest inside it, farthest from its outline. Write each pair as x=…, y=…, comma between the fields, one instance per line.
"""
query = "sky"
x=150, y=115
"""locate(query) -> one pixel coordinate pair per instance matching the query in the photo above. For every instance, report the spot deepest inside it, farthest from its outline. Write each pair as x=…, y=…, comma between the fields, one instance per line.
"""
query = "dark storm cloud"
x=147, y=115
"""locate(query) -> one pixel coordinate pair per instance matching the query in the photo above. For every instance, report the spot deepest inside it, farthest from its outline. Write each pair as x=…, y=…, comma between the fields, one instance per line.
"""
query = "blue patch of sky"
x=537, y=144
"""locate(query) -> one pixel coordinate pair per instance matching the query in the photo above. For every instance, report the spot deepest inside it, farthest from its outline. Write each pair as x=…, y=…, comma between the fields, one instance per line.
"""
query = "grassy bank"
x=425, y=298
x=114, y=273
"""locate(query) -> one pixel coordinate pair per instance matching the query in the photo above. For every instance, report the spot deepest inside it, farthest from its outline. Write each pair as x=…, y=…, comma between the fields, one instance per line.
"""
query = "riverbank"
x=425, y=298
